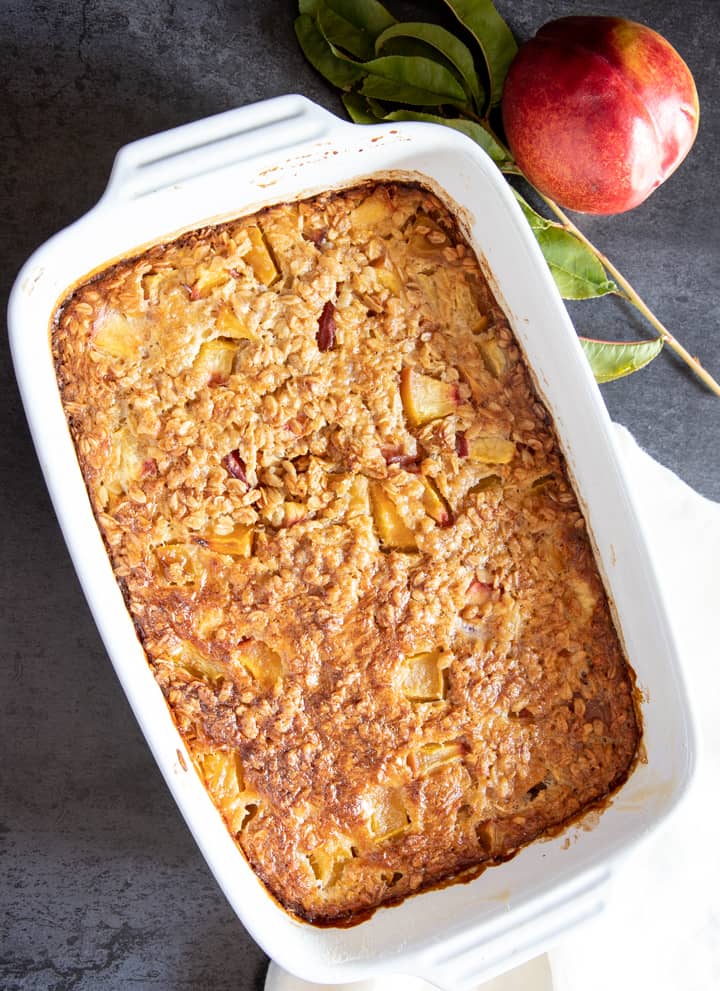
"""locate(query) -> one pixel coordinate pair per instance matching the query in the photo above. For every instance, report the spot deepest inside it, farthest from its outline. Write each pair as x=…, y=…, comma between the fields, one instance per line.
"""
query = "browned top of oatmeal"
x=344, y=530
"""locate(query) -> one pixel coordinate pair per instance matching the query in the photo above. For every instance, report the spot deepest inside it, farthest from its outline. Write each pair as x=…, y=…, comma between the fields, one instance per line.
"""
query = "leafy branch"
x=396, y=71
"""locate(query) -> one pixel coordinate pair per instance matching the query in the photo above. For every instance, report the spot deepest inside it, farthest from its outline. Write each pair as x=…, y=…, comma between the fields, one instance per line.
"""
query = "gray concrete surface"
x=101, y=885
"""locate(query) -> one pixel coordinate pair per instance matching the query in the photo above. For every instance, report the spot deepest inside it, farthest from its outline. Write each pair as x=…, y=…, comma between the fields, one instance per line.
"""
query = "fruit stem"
x=637, y=301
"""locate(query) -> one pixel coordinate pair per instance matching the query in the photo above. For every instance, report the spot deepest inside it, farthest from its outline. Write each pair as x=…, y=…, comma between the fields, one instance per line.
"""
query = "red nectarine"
x=598, y=111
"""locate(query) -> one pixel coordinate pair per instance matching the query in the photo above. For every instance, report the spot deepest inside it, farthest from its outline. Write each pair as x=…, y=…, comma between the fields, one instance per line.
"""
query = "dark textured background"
x=101, y=885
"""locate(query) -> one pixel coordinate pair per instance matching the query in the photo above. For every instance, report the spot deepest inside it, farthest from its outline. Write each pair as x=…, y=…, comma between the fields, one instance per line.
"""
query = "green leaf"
x=612, y=360
x=577, y=272
x=475, y=131
x=456, y=53
x=410, y=48
x=341, y=72
x=376, y=107
x=359, y=109
x=413, y=80
x=368, y=15
x=342, y=33
x=492, y=34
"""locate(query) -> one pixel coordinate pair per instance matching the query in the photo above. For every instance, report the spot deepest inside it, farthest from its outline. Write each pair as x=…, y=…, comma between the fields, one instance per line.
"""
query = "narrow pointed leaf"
x=413, y=80
x=492, y=34
x=612, y=360
x=343, y=34
x=410, y=48
x=577, y=272
x=475, y=131
x=456, y=53
x=359, y=109
x=341, y=72
x=369, y=15
x=377, y=108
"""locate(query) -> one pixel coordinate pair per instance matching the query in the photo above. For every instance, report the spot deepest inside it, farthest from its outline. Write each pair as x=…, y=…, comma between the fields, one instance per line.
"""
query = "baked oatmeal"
x=343, y=527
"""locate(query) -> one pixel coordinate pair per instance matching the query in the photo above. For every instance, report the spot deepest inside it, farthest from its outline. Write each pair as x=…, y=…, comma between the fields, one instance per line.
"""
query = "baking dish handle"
x=206, y=146
x=462, y=964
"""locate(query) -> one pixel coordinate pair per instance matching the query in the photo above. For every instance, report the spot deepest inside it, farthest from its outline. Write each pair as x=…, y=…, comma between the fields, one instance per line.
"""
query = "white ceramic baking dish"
x=282, y=149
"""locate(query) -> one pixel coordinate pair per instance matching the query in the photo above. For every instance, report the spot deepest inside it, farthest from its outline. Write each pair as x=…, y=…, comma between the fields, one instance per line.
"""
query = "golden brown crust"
x=345, y=532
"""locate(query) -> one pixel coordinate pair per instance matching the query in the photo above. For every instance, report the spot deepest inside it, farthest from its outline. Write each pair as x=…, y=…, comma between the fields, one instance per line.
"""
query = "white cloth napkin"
x=661, y=931
x=662, y=927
